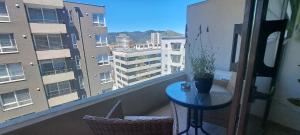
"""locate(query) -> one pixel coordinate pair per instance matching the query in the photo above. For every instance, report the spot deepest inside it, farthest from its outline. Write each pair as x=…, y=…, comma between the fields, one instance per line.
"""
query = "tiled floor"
x=253, y=125
x=167, y=111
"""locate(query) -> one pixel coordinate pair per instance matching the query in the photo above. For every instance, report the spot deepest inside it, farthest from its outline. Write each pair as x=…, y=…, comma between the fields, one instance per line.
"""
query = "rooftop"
x=134, y=50
x=83, y=3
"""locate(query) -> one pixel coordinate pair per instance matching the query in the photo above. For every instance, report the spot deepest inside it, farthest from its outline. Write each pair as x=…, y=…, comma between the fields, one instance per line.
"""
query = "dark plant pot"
x=203, y=85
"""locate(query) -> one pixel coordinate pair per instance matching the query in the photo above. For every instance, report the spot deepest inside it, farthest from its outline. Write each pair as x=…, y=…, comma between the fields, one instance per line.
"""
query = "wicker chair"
x=116, y=124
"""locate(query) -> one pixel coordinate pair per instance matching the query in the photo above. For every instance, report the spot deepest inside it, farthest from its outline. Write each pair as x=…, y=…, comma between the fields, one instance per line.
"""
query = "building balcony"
x=62, y=97
x=48, y=28
x=43, y=54
x=57, y=76
x=137, y=61
x=140, y=67
x=66, y=119
x=45, y=3
x=145, y=98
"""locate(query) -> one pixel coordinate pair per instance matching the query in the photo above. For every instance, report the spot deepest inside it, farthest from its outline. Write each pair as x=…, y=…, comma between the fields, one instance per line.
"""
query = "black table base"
x=194, y=121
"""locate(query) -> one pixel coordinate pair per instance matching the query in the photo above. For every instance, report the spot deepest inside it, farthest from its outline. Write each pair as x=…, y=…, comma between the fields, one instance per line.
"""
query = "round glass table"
x=196, y=102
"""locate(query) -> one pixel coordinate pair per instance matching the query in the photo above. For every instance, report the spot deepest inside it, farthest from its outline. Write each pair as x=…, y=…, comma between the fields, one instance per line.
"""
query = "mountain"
x=139, y=36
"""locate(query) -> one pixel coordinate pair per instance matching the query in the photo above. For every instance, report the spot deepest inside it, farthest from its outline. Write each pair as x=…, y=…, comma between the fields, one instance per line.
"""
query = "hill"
x=139, y=36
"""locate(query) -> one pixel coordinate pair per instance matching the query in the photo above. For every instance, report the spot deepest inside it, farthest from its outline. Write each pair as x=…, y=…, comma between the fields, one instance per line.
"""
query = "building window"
x=105, y=77
x=54, y=66
x=7, y=43
x=70, y=17
x=176, y=46
x=103, y=60
x=48, y=42
x=98, y=20
x=74, y=40
x=4, y=17
x=42, y=15
x=81, y=82
x=175, y=69
x=11, y=72
x=58, y=89
x=101, y=40
x=15, y=99
x=175, y=58
x=105, y=91
x=77, y=61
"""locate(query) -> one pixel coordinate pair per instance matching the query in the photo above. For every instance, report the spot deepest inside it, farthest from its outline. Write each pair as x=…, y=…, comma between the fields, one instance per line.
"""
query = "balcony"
x=46, y=3
x=66, y=119
x=57, y=76
x=63, y=97
x=47, y=28
x=146, y=98
x=48, y=54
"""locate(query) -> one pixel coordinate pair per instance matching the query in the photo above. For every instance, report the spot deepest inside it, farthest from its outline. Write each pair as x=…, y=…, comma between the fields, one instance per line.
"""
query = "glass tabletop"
x=218, y=97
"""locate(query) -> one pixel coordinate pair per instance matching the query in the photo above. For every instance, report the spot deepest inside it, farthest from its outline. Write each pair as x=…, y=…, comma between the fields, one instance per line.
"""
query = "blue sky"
x=141, y=15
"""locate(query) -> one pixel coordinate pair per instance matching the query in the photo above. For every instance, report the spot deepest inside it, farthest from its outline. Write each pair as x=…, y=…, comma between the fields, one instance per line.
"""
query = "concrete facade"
x=27, y=31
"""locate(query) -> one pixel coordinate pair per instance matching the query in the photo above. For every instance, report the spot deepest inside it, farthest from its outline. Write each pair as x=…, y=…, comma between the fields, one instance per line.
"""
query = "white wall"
x=220, y=16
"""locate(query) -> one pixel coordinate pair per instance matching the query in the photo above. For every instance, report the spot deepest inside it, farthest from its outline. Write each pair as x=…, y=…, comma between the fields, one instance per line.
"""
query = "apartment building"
x=173, y=54
x=51, y=52
x=155, y=38
x=132, y=65
x=89, y=48
x=123, y=40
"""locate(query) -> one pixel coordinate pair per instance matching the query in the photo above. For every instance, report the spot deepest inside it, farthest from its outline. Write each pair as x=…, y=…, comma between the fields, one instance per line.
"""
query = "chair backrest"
x=116, y=111
x=104, y=126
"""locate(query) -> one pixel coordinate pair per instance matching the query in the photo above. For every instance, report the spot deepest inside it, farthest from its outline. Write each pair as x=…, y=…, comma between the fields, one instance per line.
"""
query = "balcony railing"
x=60, y=92
x=53, y=72
x=45, y=48
x=47, y=21
x=66, y=118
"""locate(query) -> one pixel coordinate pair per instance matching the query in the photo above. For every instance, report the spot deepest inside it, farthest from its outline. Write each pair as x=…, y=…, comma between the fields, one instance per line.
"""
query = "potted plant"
x=203, y=65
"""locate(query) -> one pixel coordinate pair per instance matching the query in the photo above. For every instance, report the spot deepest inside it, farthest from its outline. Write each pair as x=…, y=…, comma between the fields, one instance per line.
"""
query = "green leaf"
x=294, y=101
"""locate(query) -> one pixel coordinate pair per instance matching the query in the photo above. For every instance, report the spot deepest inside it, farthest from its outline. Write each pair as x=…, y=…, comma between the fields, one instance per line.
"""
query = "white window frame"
x=70, y=17
x=77, y=62
x=55, y=71
x=74, y=40
x=6, y=11
x=42, y=10
x=98, y=23
x=81, y=82
x=103, y=62
x=175, y=43
x=16, y=101
x=177, y=69
x=175, y=55
x=10, y=80
x=59, y=90
x=101, y=43
x=13, y=44
x=48, y=42
x=106, y=79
